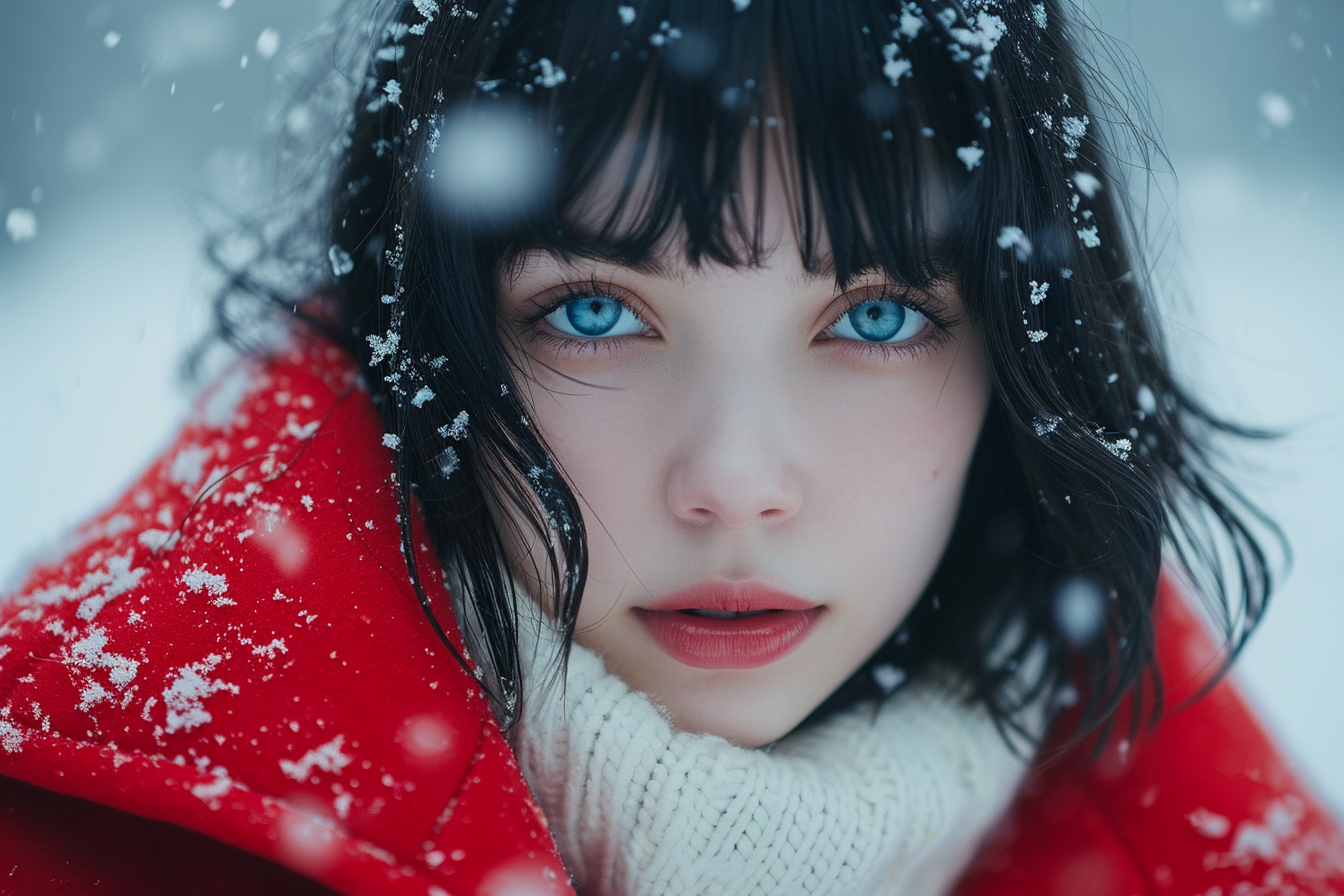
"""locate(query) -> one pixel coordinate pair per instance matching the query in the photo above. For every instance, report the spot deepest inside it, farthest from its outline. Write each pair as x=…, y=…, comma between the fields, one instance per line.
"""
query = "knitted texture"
x=889, y=799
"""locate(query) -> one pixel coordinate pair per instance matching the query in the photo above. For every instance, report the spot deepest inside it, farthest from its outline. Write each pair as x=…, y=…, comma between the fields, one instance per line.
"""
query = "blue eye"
x=879, y=321
x=594, y=316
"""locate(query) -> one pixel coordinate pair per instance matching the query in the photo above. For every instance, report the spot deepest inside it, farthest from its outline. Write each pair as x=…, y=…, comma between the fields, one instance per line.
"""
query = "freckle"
x=935, y=473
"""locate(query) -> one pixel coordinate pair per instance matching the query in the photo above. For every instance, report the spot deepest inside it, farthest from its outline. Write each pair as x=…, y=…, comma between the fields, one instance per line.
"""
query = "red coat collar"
x=235, y=648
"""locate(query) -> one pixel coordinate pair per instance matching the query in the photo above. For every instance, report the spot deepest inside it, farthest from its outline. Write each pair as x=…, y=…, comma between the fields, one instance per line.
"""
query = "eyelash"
x=937, y=336
x=941, y=330
x=573, y=292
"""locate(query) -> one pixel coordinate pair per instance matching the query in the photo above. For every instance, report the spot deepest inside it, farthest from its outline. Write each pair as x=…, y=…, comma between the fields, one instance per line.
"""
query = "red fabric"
x=1203, y=805
x=235, y=648
x=227, y=685
x=62, y=846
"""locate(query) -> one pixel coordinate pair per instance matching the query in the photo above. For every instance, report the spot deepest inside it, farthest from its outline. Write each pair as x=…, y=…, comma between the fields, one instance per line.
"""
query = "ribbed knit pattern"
x=885, y=801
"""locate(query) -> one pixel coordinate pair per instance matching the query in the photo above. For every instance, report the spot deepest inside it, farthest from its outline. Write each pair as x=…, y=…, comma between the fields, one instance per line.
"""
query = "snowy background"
x=120, y=120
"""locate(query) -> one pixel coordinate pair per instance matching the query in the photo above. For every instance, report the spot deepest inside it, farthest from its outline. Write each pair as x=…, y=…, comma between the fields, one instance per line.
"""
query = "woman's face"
x=769, y=468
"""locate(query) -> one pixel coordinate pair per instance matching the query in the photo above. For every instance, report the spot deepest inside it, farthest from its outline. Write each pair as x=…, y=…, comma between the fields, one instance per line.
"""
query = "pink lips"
x=781, y=623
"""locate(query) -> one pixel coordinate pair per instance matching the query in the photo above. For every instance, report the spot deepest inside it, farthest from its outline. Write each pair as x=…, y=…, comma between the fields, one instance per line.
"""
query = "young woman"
x=732, y=452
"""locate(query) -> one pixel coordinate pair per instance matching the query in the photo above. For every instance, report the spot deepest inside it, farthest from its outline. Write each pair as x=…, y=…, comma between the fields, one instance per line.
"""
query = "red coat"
x=227, y=686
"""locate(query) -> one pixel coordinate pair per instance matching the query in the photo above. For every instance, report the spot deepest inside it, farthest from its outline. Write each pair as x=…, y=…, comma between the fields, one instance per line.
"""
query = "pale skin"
x=735, y=425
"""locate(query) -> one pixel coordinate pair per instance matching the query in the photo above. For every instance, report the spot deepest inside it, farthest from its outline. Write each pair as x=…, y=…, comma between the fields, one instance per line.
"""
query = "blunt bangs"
x=675, y=116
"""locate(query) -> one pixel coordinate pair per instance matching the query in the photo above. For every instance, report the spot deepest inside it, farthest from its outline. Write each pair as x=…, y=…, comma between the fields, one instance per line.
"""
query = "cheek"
x=608, y=445
x=902, y=431
x=891, y=461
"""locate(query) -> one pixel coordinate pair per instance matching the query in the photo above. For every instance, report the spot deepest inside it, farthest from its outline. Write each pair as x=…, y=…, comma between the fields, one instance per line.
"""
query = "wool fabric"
x=880, y=799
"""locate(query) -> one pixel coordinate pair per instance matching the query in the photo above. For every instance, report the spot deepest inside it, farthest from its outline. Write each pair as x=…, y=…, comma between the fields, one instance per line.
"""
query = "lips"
x=729, y=625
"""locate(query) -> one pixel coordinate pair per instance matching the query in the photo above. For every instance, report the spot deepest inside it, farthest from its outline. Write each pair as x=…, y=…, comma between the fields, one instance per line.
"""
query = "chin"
x=755, y=728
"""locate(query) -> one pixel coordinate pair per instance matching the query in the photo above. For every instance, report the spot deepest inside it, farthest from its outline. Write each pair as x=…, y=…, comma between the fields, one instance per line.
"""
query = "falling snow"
x=627, y=14
x=490, y=161
x=1087, y=184
x=1011, y=237
x=21, y=224
x=894, y=68
x=911, y=20
x=551, y=75
x=1080, y=610
x=391, y=440
x=888, y=677
x=1089, y=237
x=1038, y=291
x=222, y=405
x=1147, y=401
x=1209, y=824
x=268, y=43
x=341, y=262
x=1276, y=108
x=970, y=155
x=424, y=394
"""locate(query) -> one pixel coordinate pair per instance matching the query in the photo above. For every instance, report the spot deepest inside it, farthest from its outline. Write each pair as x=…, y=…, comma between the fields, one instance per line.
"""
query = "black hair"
x=1092, y=458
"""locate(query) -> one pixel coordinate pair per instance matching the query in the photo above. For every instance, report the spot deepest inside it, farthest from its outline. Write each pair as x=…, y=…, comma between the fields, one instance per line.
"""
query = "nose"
x=734, y=466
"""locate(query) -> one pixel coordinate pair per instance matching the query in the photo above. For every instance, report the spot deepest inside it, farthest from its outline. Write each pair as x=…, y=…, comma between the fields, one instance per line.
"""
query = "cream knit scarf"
x=892, y=801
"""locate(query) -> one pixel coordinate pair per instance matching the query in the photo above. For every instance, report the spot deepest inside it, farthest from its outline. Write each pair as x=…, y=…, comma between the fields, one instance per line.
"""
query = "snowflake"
x=1072, y=131
x=184, y=698
x=329, y=758
x=551, y=75
x=1014, y=238
x=971, y=155
x=341, y=262
x=894, y=68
